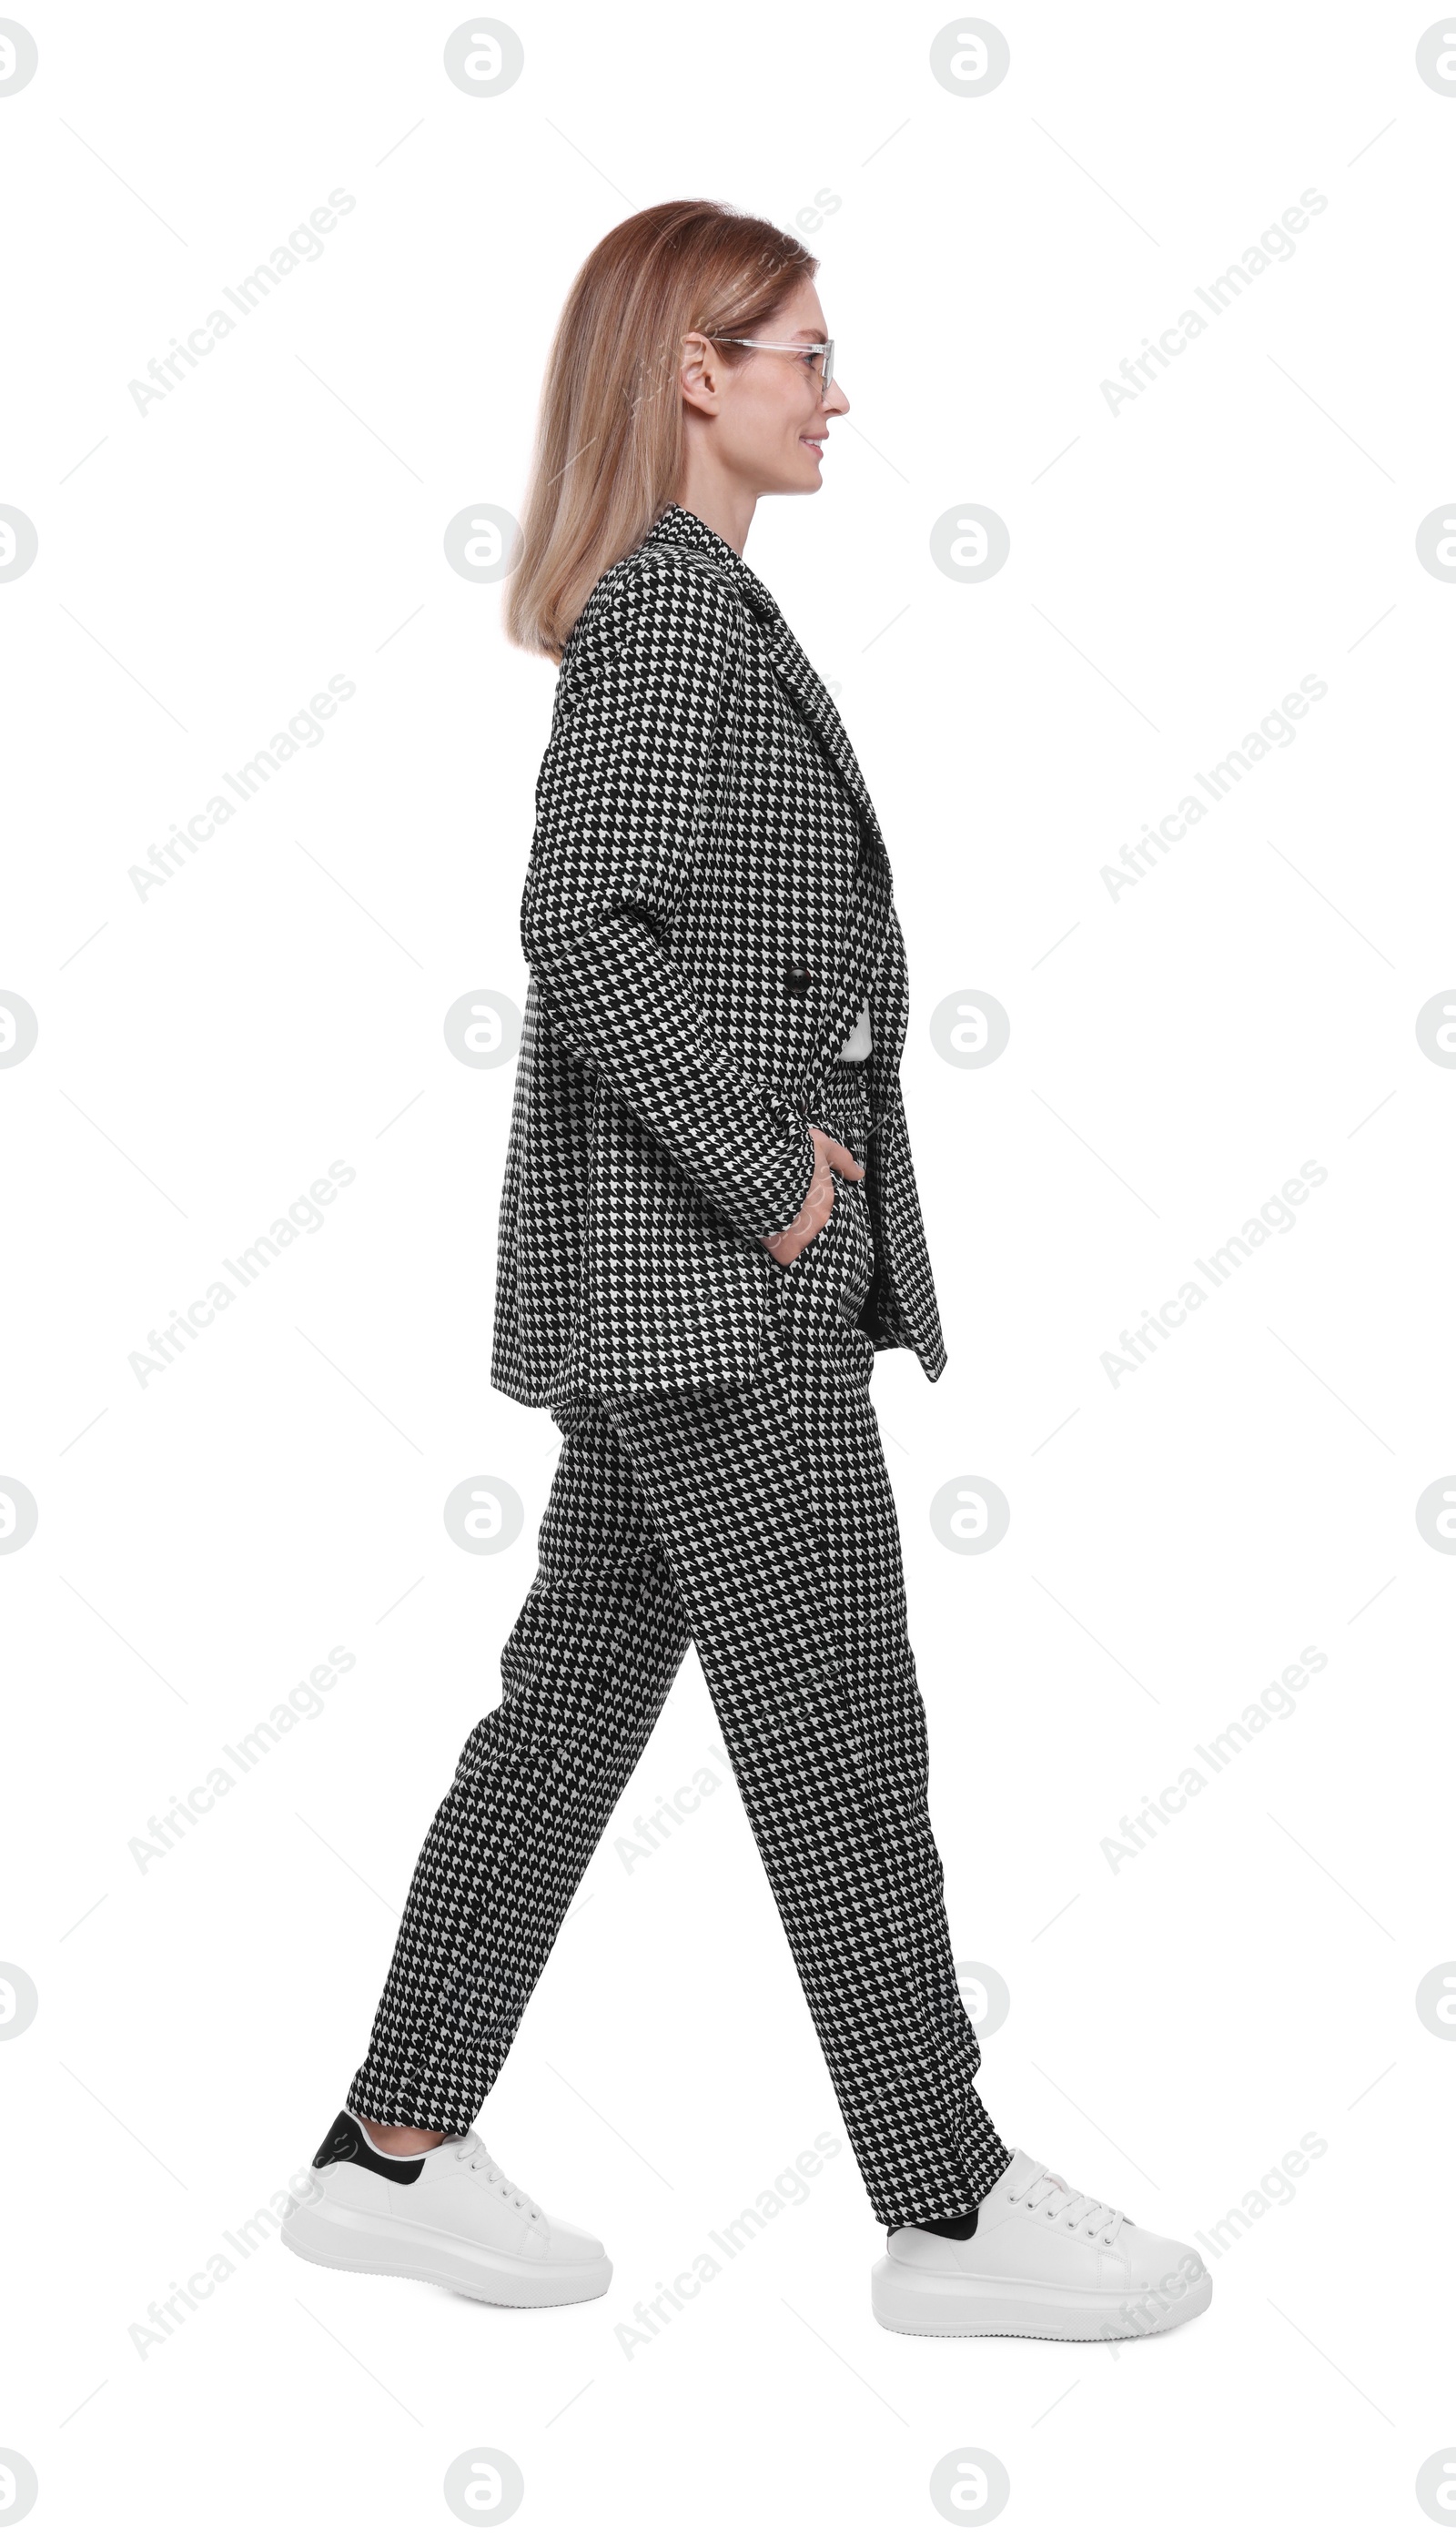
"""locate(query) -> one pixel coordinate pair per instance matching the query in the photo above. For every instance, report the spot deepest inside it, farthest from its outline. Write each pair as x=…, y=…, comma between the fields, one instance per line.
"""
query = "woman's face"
x=770, y=418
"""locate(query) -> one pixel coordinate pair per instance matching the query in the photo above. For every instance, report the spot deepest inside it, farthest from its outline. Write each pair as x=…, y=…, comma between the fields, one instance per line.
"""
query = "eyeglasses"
x=762, y=345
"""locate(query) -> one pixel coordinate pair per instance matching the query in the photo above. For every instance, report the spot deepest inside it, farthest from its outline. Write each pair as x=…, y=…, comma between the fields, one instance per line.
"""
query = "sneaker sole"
x=326, y=2233
x=910, y=2302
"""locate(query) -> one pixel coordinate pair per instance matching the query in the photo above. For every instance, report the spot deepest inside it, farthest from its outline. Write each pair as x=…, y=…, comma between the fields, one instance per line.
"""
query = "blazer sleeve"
x=623, y=791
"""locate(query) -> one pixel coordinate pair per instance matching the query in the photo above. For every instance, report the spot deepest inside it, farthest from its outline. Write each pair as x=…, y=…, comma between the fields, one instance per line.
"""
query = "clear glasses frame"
x=763, y=345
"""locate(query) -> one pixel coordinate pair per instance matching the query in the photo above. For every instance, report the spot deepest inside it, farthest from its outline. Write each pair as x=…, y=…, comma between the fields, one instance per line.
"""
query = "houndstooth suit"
x=720, y=1480
x=706, y=905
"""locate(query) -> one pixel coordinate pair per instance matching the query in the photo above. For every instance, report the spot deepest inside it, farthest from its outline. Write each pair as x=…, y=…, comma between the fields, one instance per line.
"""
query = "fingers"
x=831, y=1159
x=785, y=1243
x=842, y=1161
x=783, y=1248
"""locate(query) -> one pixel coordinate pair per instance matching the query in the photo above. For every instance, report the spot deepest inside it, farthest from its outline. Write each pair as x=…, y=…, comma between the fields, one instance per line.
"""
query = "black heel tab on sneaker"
x=963, y=2227
x=346, y=2141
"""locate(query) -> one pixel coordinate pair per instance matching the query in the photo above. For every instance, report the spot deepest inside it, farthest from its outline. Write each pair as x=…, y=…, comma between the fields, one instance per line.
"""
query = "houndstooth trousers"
x=760, y=1527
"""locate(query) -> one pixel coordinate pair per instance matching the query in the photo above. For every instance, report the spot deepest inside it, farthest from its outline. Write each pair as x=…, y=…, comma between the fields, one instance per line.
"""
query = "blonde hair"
x=609, y=440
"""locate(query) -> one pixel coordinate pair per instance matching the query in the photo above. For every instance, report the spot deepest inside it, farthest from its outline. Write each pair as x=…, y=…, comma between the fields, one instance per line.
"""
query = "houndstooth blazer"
x=707, y=905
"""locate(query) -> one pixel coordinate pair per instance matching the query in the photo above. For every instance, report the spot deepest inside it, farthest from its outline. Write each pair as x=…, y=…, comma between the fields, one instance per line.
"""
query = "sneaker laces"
x=471, y=2150
x=1061, y=2201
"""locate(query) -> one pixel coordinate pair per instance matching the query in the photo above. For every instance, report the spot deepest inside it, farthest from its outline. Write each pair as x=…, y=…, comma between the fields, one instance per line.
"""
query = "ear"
x=700, y=373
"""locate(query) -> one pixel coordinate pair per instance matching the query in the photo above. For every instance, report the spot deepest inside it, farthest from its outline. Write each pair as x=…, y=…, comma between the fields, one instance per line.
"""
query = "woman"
x=710, y=1226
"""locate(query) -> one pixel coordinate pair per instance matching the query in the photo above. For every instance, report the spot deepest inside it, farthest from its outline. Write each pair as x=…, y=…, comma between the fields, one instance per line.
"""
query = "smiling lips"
x=815, y=442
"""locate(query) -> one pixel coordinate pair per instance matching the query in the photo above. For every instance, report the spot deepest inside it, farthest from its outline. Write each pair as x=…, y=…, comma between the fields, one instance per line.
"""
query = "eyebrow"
x=811, y=335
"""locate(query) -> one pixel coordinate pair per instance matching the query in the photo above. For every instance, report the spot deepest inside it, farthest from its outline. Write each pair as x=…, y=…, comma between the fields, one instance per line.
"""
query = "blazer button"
x=798, y=980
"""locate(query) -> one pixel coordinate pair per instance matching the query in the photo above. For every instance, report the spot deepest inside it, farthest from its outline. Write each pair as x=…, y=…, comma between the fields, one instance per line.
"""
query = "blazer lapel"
x=677, y=527
x=819, y=711
x=872, y=930
x=871, y=918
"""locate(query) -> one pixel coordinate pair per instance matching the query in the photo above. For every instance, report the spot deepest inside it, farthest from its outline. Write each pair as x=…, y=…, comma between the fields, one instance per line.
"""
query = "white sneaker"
x=1042, y=2260
x=448, y=2216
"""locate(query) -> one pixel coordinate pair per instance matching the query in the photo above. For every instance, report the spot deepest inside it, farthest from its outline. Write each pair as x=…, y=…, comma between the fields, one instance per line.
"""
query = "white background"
x=1175, y=1054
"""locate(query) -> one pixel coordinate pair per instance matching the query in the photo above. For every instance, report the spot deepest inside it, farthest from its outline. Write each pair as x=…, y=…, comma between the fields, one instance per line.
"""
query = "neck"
x=721, y=501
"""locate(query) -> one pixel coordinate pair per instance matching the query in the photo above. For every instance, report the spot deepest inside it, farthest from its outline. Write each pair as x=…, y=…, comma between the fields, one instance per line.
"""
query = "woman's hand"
x=785, y=1243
